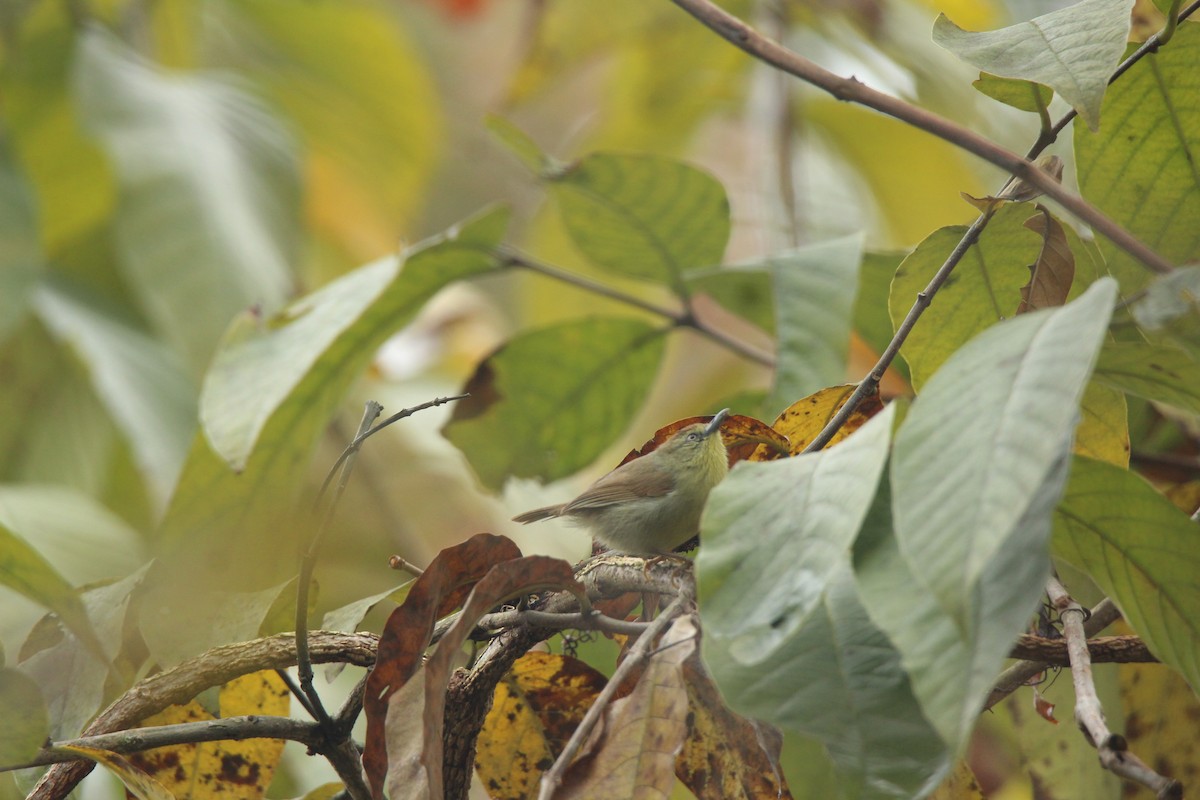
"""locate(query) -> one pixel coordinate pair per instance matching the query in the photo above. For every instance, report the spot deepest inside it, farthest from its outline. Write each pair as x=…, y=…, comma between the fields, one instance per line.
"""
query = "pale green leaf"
x=814, y=291
x=976, y=471
x=1072, y=50
x=644, y=216
x=744, y=289
x=785, y=634
x=142, y=384
x=26, y=572
x=72, y=680
x=1141, y=169
x=26, y=721
x=1157, y=372
x=206, y=224
x=20, y=251
x=872, y=320
x=521, y=146
x=231, y=527
x=331, y=334
x=550, y=401
x=1142, y=551
x=1023, y=95
x=984, y=288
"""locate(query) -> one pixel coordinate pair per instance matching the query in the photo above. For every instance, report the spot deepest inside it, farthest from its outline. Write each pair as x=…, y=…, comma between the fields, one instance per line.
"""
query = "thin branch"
x=679, y=319
x=1102, y=615
x=308, y=563
x=637, y=654
x=1113, y=749
x=404, y=565
x=851, y=89
x=135, y=740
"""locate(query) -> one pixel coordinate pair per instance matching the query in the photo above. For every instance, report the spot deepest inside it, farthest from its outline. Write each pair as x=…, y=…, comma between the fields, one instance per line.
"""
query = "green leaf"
x=23, y=570
x=26, y=721
x=744, y=289
x=206, y=224
x=785, y=634
x=871, y=318
x=1140, y=168
x=984, y=288
x=1168, y=298
x=1023, y=95
x=330, y=335
x=1142, y=551
x=142, y=384
x=1156, y=372
x=1072, y=50
x=644, y=216
x=814, y=291
x=976, y=470
x=548, y=402
x=271, y=392
x=20, y=250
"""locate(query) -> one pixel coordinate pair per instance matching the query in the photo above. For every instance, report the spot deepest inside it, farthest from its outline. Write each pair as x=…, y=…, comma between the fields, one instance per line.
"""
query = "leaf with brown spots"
x=225, y=768
x=1050, y=277
x=439, y=590
x=959, y=785
x=632, y=754
x=726, y=756
x=537, y=707
x=406, y=745
x=804, y=419
x=1162, y=716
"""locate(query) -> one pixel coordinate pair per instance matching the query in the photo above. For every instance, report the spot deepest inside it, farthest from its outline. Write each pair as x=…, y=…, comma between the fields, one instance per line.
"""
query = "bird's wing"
x=615, y=488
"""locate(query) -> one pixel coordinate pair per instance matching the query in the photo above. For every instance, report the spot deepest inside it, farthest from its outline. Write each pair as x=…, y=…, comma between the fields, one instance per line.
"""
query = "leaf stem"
x=679, y=319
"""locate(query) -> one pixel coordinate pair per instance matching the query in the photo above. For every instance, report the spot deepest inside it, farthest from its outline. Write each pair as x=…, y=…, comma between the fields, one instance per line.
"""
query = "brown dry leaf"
x=741, y=434
x=1161, y=716
x=536, y=709
x=137, y=782
x=504, y=581
x=804, y=419
x=960, y=784
x=443, y=587
x=1050, y=277
x=633, y=754
x=1043, y=707
x=726, y=756
x=227, y=768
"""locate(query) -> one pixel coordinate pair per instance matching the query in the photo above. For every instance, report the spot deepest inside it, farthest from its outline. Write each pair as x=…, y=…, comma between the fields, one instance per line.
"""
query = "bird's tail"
x=539, y=514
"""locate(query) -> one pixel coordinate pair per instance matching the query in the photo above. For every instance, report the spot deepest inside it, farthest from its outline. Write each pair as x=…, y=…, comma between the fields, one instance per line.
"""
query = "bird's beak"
x=715, y=424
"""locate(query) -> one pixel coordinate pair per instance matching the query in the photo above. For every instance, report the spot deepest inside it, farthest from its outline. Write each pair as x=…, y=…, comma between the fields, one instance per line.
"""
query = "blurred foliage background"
x=170, y=166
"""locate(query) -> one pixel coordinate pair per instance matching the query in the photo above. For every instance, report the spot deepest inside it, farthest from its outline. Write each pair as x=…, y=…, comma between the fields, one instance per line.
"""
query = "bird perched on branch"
x=651, y=505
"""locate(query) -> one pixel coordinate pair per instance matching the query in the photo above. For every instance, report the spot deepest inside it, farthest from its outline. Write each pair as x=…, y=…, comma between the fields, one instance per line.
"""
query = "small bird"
x=651, y=505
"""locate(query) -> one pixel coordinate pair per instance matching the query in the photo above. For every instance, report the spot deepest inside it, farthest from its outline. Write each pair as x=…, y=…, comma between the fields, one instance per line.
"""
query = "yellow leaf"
x=225, y=769
x=139, y=784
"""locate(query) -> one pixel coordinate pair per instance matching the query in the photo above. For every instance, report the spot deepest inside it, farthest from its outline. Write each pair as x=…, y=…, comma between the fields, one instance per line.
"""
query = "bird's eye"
x=693, y=437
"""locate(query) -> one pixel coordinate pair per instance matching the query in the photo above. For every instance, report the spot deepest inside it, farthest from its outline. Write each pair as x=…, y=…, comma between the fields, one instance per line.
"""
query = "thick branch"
x=1103, y=650
x=851, y=89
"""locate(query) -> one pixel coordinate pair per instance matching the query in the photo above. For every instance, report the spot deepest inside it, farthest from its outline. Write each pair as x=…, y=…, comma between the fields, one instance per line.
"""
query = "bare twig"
x=308, y=564
x=1113, y=749
x=637, y=654
x=213, y=730
x=1104, y=614
x=679, y=319
x=404, y=565
x=851, y=89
